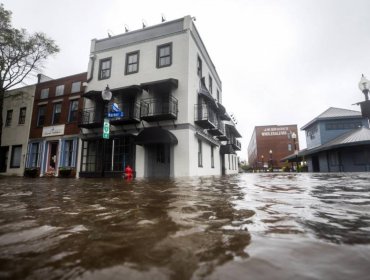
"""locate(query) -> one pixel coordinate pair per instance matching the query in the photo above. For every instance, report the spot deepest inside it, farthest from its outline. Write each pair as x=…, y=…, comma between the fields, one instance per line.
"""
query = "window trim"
x=159, y=47
x=60, y=113
x=38, y=115
x=12, y=157
x=22, y=119
x=101, y=61
x=70, y=111
x=127, y=62
x=79, y=88
x=9, y=118
x=200, y=153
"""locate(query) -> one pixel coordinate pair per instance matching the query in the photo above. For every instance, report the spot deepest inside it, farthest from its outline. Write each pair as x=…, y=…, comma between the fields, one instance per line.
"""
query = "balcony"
x=219, y=130
x=90, y=118
x=131, y=114
x=159, y=109
x=235, y=144
x=205, y=116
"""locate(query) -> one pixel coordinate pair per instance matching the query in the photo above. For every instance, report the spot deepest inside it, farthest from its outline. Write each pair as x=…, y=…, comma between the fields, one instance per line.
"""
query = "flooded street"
x=247, y=226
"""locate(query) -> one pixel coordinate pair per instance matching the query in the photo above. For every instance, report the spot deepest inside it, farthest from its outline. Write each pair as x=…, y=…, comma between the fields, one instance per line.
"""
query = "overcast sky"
x=280, y=62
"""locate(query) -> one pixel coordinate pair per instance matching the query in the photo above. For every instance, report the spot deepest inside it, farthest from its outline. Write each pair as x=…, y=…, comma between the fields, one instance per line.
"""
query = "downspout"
x=91, y=72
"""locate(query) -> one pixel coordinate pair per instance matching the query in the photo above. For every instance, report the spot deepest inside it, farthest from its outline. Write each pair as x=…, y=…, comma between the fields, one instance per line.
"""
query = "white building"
x=167, y=87
x=17, y=112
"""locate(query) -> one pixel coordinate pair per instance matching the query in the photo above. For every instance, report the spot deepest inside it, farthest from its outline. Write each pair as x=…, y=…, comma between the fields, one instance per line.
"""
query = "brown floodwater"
x=246, y=226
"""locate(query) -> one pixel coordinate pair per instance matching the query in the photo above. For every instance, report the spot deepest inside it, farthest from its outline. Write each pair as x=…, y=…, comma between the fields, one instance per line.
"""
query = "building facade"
x=166, y=114
x=338, y=140
x=17, y=111
x=54, y=132
x=269, y=144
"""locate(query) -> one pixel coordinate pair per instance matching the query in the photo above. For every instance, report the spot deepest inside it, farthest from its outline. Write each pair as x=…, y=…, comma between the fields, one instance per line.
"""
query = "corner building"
x=269, y=144
x=165, y=84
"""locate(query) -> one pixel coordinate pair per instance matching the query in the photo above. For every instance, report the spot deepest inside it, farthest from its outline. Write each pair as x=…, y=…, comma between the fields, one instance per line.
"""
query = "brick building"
x=269, y=144
x=54, y=132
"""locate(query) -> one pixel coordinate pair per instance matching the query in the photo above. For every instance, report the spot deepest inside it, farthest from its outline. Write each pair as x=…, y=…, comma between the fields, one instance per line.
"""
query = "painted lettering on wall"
x=275, y=131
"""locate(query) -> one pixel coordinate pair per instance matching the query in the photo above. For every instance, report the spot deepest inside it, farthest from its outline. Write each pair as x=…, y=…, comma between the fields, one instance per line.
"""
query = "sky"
x=280, y=61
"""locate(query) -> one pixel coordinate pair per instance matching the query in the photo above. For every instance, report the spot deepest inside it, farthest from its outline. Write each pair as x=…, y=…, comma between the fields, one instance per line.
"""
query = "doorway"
x=315, y=164
x=52, y=157
x=158, y=160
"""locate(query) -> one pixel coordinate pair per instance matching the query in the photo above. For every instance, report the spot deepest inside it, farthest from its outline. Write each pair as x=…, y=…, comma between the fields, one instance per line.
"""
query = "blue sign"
x=116, y=112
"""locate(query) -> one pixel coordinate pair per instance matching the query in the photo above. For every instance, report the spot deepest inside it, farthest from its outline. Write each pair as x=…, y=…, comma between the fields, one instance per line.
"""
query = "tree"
x=21, y=54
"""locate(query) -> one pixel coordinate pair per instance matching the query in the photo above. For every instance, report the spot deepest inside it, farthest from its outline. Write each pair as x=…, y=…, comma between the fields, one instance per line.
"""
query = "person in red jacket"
x=128, y=172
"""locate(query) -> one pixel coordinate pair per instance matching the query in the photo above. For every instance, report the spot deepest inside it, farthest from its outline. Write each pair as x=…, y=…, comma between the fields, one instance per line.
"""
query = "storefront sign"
x=53, y=130
x=275, y=131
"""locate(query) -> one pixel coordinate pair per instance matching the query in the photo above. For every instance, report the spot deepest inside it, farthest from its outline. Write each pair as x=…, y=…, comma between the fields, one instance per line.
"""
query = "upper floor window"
x=210, y=84
x=76, y=87
x=199, y=67
x=9, y=116
x=59, y=90
x=73, y=109
x=343, y=125
x=218, y=95
x=56, y=113
x=289, y=147
x=164, y=55
x=22, y=115
x=41, y=115
x=44, y=93
x=132, y=62
x=105, y=68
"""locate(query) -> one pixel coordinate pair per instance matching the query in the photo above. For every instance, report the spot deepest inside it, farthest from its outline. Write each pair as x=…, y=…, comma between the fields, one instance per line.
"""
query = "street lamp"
x=106, y=95
x=263, y=162
x=294, y=137
x=271, y=167
x=364, y=86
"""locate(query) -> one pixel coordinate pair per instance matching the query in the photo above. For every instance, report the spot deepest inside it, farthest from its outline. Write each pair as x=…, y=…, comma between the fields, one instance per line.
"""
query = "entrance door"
x=52, y=157
x=315, y=164
x=3, y=158
x=158, y=160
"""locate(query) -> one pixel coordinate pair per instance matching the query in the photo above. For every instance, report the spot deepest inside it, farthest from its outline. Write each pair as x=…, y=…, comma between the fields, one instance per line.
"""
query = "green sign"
x=106, y=129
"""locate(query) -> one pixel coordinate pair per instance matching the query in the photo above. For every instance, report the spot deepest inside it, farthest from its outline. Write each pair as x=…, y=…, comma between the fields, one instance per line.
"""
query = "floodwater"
x=246, y=226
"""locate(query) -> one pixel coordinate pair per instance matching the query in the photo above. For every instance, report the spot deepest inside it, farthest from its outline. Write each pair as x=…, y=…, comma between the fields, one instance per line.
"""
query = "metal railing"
x=159, y=107
x=90, y=116
x=204, y=113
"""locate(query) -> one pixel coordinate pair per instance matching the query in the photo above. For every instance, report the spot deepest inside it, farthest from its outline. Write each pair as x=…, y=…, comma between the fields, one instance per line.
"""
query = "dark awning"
x=131, y=90
x=93, y=94
x=155, y=135
x=162, y=85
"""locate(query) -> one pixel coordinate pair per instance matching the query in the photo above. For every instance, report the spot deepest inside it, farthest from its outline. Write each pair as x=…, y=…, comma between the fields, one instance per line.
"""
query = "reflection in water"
x=232, y=227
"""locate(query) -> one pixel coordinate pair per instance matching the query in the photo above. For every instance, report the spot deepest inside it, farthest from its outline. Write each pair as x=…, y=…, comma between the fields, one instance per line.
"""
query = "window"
x=164, y=55
x=9, y=115
x=199, y=67
x=15, y=160
x=68, y=153
x=289, y=147
x=73, y=111
x=210, y=84
x=200, y=156
x=34, y=155
x=105, y=68
x=56, y=113
x=22, y=115
x=76, y=87
x=218, y=95
x=44, y=93
x=132, y=62
x=59, y=90
x=41, y=115
x=212, y=158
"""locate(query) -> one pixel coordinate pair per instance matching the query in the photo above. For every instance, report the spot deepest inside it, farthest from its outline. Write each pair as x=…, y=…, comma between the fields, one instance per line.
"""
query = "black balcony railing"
x=205, y=116
x=90, y=118
x=219, y=130
x=131, y=114
x=159, y=109
x=235, y=144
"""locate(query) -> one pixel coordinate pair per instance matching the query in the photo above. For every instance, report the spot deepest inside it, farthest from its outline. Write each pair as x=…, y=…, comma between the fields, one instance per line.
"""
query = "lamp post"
x=364, y=86
x=294, y=137
x=106, y=95
x=263, y=162
x=271, y=166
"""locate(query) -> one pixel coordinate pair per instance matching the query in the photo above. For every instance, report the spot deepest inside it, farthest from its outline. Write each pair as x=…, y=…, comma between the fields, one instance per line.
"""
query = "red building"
x=54, y=132
x=269, y=144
